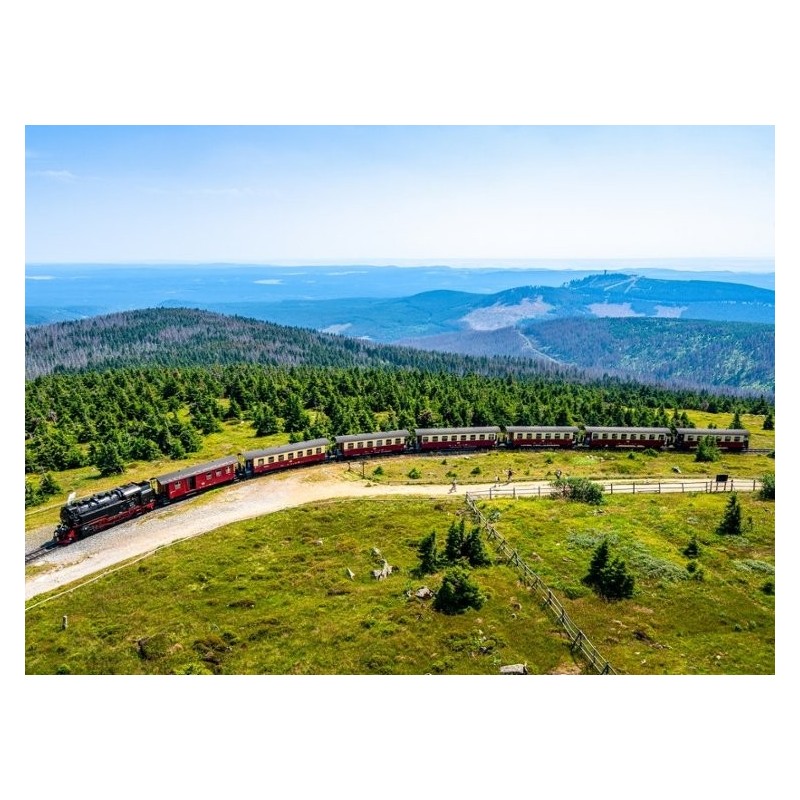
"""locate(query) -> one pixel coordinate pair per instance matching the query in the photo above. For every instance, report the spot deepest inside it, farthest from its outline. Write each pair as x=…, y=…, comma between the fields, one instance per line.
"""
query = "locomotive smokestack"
x=71, y=497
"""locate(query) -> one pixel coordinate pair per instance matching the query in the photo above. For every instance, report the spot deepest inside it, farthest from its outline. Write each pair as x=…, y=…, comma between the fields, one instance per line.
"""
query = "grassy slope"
x=263, y=596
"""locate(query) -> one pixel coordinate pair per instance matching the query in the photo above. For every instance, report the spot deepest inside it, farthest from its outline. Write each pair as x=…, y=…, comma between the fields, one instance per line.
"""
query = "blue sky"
x=376, y=194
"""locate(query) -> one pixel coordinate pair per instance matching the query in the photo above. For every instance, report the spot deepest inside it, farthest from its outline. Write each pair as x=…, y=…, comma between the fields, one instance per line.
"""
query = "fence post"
x=515, y=492
x=611, y=488
x=633, y=487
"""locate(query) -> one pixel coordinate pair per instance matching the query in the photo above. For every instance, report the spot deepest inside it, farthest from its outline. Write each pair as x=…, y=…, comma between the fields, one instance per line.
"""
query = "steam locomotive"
x=106, y=509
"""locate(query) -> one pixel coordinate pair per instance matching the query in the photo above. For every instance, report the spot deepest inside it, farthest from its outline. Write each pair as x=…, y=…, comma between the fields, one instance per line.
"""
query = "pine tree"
x=458, y=593
x=474, y=550
x=736, y=422
x=428, y=557
x=597, y=565
x=48, y=486
x=769, y=422
x=455, y=542
x=731, y=524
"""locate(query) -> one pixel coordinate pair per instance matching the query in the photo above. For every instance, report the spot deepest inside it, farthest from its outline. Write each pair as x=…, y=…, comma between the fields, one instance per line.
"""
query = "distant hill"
x=691, y=353
x=613, y=295
x=190, y=337
x=681, y=353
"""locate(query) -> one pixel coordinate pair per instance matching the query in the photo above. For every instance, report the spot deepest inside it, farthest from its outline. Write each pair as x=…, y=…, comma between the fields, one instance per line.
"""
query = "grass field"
x=273, y=595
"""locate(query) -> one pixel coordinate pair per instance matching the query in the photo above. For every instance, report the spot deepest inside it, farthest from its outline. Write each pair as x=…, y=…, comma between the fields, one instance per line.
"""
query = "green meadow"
x=274, y=595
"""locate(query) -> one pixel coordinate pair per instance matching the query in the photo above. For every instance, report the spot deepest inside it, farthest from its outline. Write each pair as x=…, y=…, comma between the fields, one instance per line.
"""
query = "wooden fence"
x=632, y=487
x=578, y=641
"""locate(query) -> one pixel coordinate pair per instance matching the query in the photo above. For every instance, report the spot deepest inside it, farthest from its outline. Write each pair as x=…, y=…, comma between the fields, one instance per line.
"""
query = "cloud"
x=62, y=175
x=269, y=281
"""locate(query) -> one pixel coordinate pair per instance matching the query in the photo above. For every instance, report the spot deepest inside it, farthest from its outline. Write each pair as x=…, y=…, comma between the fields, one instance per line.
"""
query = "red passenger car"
x=285, y=455
x=541, y=435
x=370, y=444
x=726, y=438
x=457, y=438
x=656, y=438
x=195, y=479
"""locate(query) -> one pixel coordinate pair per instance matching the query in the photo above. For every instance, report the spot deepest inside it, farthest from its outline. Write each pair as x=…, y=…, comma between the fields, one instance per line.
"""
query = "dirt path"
x=233, y=504
x=203, y=514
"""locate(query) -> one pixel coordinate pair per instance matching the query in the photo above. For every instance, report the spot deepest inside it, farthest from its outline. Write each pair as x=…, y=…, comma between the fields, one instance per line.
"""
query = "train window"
x=208, y=476
x=290, y=457
x=660, y=436
x=379, y=443
x=491, y=437
x=434, y=438
x=625, y=436
x=177, y=484
x=319, y=450
x=280, y=457
x=472, y=437
x=370, y=444
x=271, y=460
x=736, y=438
x=309, y=452
x=727, y=438
x=651, y=436
x=613, y=435
x=463, y=437
x=260, y=462
x=350, y=445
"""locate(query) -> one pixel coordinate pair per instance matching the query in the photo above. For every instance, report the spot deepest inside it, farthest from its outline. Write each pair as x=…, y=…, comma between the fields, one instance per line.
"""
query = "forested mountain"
x=112, y=417
x=720, y=355
x=189, y=337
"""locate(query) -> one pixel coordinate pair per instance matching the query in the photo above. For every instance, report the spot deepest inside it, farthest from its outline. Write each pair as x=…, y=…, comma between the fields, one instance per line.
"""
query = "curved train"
x=106, y=509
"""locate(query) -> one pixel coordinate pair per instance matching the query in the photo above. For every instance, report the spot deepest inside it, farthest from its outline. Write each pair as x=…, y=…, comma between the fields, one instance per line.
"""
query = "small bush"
x=768, y=587
x=581, y=489
x=648, y=451
x=692, y=550
x=414, y=474
x=476, y=471
x=767, y=491
x=707, y=450
x=458, y=593
x=377, y=471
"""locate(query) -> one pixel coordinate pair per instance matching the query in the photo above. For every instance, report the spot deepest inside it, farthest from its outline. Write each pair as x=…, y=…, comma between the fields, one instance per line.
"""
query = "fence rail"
x=632, y=487
x=579, y=643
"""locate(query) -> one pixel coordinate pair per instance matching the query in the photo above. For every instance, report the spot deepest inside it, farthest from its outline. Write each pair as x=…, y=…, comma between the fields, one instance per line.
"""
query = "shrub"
x=458, y=593
x=767, y=491
x=476, y=471
x=707, y=450
x=649, y=451
x=581, y=489
x=377, y=471
x=692, y=550
x=414, y=473
x=768, y=587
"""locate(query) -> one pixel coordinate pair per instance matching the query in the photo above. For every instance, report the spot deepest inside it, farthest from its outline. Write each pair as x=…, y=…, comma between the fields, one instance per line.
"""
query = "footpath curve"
x=208, y=512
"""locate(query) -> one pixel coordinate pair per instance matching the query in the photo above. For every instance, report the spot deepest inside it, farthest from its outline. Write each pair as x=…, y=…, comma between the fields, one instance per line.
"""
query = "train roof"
x=188, y=472
x=543, y=428
x=623, y=429
x=483, y=429
x=358, y=437
x=713, y=431
x=284, y=448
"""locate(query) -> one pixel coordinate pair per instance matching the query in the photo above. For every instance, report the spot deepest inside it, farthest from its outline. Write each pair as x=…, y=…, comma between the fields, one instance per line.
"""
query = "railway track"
x=36, y=554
